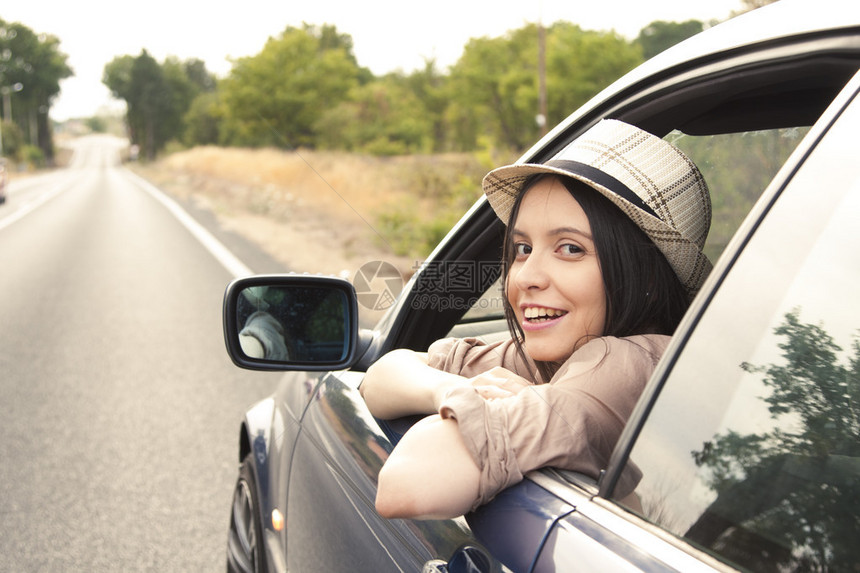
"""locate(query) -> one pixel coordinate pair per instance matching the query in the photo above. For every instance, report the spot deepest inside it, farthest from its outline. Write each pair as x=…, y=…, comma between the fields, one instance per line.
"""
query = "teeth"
x=533, y=312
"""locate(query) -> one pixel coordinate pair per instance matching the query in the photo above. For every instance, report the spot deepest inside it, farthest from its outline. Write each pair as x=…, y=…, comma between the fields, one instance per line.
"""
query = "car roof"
x=782, y=19
x=832, y=26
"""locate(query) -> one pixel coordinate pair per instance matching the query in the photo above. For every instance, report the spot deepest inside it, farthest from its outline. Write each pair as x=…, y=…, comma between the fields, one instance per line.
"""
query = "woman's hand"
x=498, y=382
x=401, y=384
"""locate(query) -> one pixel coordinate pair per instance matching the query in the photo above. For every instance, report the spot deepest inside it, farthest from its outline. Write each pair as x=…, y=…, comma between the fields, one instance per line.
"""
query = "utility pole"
x=541, y=117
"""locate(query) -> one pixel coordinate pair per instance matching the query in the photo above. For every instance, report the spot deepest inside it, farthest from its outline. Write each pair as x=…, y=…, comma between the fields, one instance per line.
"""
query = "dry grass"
x=315, y=211
x=336, y=183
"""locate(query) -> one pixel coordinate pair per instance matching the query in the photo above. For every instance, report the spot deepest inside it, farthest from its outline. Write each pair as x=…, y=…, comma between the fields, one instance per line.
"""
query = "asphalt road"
x=119, y=408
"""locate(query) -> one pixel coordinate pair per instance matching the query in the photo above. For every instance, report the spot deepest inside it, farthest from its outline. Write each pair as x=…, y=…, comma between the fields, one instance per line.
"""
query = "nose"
x=530, y=273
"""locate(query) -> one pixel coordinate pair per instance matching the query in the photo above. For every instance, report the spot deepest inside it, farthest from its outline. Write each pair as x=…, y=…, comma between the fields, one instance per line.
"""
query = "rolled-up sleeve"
x=469, y=357
x=571, y=423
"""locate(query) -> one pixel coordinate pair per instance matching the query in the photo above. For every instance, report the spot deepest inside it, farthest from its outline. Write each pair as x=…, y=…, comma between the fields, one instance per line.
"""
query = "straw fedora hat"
x=650, y=180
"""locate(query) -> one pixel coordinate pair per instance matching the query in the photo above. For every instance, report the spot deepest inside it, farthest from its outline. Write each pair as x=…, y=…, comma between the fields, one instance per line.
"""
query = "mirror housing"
x=291, y=322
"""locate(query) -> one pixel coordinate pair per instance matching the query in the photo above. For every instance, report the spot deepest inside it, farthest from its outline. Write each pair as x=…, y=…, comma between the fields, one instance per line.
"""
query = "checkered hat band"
x=603, y=179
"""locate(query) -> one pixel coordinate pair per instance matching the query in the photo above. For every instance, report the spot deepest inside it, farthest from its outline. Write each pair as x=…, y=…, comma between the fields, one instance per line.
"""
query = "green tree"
x=117, y=76
x=180, y=93
x=203, y=120
x=660, y=35
x=494, y=85
x=788, y=499
x=148, y=103
x=157, y=96
x=277, y=96
x=580, y=63
x=383, y=117
x=494, y=91
x=199, y=76
x=430, y=86
x=34, y=63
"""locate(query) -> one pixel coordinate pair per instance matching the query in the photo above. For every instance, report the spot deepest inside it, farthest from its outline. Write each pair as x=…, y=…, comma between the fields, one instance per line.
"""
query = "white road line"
x=22, y=211
x=230, y=262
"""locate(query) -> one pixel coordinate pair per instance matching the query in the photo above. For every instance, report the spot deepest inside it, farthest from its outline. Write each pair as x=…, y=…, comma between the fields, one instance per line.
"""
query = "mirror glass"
x=293, y=323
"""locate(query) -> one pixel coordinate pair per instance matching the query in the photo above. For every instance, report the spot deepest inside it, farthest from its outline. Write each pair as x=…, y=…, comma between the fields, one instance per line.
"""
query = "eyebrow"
x=557, y=231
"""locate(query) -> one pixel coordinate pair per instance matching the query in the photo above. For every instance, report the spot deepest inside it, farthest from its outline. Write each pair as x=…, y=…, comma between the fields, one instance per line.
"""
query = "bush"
x=13, y=139
x=440, y=190
x=96, y=124
x=31, y=156
x=408, y=232
x=174, y=146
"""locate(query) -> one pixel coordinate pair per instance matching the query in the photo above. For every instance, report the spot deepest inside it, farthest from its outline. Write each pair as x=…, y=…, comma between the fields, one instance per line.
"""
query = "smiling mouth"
x=536, y=314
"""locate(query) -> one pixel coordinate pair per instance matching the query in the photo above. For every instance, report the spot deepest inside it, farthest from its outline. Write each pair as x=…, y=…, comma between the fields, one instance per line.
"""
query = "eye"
x=522, y=249
x=570, y=249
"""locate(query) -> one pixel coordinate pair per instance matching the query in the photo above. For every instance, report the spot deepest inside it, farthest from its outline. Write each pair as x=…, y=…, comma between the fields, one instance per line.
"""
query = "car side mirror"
x=291, y=322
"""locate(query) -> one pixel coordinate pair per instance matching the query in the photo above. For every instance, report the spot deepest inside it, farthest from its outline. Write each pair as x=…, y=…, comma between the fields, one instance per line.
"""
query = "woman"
x=603, y=251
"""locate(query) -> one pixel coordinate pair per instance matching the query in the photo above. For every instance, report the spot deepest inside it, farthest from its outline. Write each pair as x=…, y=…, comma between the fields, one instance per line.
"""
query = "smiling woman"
x=603, y=251
x=554, y=283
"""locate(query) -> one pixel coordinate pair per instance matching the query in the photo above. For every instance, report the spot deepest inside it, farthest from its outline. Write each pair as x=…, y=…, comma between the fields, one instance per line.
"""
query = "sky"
x=388, y=35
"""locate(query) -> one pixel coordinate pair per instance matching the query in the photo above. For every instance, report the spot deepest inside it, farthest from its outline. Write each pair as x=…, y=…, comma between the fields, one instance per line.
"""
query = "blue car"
x=748, y=434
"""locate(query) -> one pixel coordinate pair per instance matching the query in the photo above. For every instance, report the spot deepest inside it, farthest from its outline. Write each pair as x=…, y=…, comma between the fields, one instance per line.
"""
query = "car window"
x=485, y=319
x=752, y=450
x=488, y=306
x=737, y=168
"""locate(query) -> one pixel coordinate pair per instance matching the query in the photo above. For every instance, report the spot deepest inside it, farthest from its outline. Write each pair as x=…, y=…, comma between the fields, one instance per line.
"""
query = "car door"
x=748, y=439
x=332, y=490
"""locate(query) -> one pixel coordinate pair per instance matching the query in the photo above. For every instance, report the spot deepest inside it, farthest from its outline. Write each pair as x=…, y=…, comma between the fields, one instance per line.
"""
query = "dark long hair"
x=643, y=293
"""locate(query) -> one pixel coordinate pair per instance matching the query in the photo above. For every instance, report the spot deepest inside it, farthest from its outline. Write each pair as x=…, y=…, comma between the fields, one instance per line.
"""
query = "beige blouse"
x=572, y=422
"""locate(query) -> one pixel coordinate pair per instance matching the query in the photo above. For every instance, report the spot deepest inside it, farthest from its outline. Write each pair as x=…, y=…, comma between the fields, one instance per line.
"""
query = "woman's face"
x=554, y=283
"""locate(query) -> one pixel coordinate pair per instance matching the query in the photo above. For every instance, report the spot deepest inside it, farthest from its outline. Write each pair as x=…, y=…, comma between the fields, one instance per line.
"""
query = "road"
x=119, y=408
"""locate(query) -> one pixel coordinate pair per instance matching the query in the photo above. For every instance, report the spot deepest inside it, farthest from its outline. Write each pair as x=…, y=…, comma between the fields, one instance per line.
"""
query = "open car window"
x=485, y=319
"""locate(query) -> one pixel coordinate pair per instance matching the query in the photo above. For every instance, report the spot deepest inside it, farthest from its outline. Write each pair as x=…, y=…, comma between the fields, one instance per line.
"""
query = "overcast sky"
x=387, y=34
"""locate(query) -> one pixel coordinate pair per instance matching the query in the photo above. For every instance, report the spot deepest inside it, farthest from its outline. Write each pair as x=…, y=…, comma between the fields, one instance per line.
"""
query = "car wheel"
x=245, y=549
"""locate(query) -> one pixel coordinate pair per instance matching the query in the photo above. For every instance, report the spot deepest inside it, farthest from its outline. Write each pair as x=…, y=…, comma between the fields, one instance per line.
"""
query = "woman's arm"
x=401, y=384
x=429, y=475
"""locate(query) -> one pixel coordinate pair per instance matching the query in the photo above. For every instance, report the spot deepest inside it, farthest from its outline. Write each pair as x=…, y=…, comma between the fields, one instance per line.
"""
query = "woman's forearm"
x=429, y=475
x=401, y=384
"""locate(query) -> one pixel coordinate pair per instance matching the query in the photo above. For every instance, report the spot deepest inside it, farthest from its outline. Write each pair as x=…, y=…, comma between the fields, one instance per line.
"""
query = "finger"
x=491, y=392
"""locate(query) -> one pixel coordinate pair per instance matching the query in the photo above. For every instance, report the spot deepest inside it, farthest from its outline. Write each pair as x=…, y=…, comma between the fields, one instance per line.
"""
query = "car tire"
x=245, y=547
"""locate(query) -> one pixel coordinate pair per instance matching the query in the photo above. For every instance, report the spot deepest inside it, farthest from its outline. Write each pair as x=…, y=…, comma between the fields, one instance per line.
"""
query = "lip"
x=537, y=326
